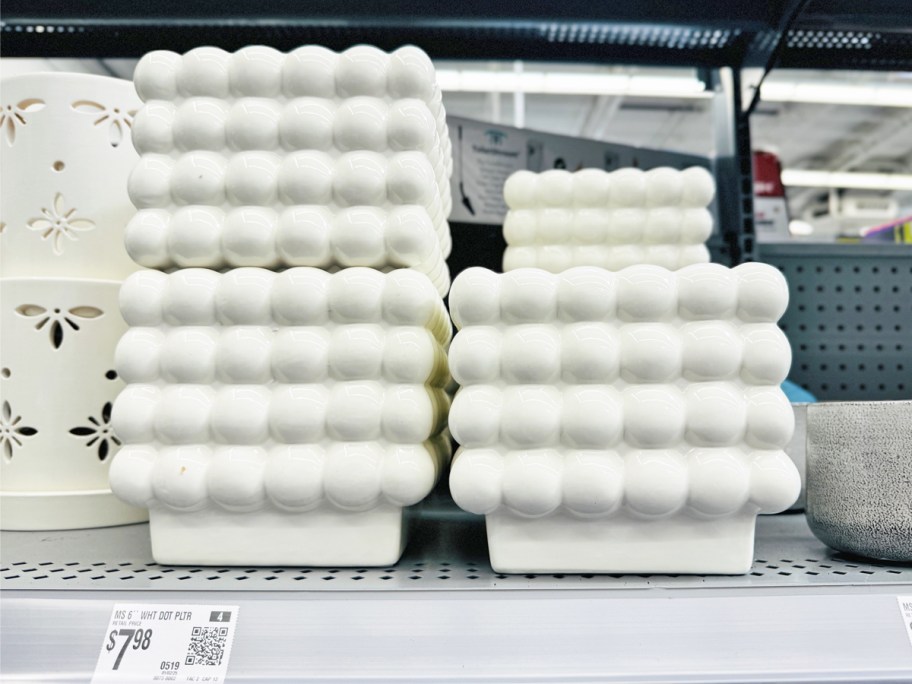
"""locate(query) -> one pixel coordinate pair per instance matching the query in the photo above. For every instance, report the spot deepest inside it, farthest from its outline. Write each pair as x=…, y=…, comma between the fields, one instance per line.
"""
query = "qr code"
x=207, y=646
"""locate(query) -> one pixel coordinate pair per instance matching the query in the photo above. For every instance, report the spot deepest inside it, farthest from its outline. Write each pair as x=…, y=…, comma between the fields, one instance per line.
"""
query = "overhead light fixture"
x=846, y=179
x=870, y=94
x=774, y=89
x=570, y=83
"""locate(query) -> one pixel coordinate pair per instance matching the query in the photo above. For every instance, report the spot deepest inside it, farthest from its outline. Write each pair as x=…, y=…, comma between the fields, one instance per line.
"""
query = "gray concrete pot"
x=859, y=477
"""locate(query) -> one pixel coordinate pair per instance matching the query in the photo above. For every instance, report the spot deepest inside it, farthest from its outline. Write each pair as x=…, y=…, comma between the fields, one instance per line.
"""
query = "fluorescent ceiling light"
x=570, y=83
x=845, y=179
x=775, y=89
x=821, y=92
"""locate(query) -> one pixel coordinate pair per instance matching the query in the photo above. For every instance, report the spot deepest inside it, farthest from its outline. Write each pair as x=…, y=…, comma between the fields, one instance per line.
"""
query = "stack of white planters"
x=621, y=422
x=559, y=219
x=66, y=153
x=285, y=417
x=617, y=414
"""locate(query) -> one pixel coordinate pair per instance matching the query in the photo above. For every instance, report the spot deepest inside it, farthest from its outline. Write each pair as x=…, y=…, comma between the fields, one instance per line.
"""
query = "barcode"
x=207, y=646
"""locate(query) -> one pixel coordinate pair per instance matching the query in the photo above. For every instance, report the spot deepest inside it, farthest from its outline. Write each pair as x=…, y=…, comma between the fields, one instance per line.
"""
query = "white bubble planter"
x=558, y=220
x=310, y=158
x=625, y=422
x=280, y=419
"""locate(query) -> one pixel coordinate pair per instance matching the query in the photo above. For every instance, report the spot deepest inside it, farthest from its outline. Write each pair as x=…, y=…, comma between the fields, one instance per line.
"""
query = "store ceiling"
x=805, y=136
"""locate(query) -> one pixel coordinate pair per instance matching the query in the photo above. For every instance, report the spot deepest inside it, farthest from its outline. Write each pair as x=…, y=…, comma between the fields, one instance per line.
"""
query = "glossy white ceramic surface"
x=293, y=406
x=57, y=387
x=621, y=422
x=66, y=156
x=558, y=219
x=345, y=156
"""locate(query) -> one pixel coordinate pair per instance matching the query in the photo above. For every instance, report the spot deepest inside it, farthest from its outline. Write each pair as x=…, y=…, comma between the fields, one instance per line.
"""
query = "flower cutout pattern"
x=99, y=432
x=58, y=319
x=12, y=431
x=116, y=119
x=13, y=116
x=59, y=223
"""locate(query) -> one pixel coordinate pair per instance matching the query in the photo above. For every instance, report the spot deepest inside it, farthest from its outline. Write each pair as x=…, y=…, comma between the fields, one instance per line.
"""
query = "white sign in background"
x=905, y=608
x=486, y=154
x=166, y=643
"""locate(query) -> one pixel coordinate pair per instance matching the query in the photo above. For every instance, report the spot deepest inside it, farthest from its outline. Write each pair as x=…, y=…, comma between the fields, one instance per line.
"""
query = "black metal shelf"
x=826, y=34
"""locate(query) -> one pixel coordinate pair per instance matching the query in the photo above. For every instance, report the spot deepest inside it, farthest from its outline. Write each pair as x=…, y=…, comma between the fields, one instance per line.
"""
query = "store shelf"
x=804, y=613
x=827, y=34
x=636, y=32
x=448, y=552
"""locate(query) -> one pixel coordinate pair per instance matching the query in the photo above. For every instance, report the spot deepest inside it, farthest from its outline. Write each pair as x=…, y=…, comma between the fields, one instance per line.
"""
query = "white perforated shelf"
x=804, y=613
x=447, y=551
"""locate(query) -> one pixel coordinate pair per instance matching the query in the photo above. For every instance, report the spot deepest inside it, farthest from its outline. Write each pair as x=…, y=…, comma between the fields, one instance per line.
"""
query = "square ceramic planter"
x=57, y=387
x=66, y=156
x=621, y=422
x=310, y=158
x=558, y=220
x=859, y=470
x=280, y=419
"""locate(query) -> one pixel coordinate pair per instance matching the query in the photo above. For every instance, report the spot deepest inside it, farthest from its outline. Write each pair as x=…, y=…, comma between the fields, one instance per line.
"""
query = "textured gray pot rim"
x=880, y=402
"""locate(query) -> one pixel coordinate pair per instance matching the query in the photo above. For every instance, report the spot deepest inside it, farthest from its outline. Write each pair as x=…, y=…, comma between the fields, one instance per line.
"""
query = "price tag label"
x=905, y=608
x=166, y=643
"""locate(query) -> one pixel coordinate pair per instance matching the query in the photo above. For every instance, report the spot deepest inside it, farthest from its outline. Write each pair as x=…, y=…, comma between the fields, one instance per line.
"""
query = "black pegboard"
x=849, y=319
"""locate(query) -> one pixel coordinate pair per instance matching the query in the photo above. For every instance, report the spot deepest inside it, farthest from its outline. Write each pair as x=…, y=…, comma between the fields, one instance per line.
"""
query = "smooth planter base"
x=66, y=510
x=621, y=544
x=325, y=536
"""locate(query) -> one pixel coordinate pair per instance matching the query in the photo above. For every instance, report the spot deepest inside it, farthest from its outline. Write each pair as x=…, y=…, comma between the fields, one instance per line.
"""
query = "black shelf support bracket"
x=733, y=167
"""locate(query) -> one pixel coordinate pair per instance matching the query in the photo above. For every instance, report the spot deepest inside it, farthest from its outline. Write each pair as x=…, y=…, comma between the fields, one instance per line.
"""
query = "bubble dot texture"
x=559, y=220
x=255, y=389
x=348, y=155
x=646, y=393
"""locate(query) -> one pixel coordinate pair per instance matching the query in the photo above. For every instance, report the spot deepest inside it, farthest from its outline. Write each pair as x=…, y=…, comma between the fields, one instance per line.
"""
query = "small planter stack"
x=559, y=219
x=285, y=417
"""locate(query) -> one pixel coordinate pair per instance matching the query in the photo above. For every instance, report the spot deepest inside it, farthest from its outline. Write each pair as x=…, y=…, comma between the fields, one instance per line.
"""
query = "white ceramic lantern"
x=65, y=156
x=57, y=388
